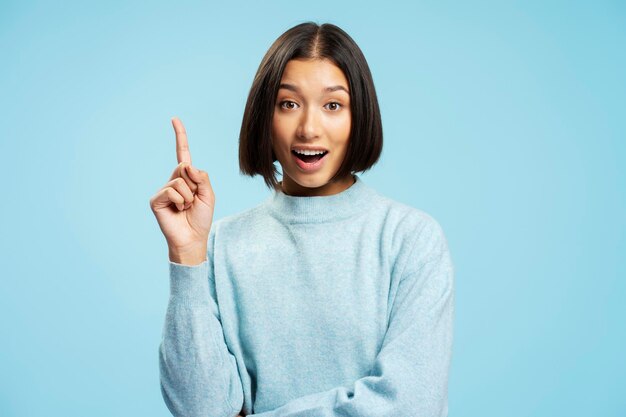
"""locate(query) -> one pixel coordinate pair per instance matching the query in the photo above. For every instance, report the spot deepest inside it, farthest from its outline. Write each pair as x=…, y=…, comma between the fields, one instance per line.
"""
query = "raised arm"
x=199, y=375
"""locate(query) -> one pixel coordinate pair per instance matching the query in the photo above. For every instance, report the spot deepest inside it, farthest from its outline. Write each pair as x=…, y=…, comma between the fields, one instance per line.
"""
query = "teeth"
x=309, y=152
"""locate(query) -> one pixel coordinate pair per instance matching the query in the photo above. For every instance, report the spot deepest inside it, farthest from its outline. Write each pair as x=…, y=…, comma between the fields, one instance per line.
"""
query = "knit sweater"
x=322, y=306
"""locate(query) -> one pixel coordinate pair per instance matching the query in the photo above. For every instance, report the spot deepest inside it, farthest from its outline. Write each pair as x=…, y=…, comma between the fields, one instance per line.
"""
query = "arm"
x=410, y=373
x=198, y=374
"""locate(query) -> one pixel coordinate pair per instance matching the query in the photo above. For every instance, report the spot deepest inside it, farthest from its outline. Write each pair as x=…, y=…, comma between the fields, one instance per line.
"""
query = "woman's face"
x=312, y=112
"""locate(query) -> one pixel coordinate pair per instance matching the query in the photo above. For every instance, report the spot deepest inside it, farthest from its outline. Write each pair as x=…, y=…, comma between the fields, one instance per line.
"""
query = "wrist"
x=190, y=256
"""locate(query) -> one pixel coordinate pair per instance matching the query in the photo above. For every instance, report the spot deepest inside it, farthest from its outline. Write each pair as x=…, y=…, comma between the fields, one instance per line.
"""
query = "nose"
x=309, y=127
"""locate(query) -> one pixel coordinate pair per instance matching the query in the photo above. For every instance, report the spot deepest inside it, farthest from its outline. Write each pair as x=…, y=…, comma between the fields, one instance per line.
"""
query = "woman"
x=328, y=299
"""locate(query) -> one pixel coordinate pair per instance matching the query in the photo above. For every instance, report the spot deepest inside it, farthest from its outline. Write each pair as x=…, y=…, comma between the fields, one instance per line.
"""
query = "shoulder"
x=414, y=223
x=417, y=236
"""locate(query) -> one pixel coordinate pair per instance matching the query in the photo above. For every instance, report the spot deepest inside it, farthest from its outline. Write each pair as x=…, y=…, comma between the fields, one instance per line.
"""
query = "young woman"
x=328, y=299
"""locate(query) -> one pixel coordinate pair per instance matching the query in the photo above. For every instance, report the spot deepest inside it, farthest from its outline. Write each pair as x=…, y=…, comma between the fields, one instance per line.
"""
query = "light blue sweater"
x=328, y=306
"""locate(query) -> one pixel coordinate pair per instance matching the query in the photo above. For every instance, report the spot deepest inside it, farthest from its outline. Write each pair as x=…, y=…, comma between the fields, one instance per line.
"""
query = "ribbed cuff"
x=189, y=284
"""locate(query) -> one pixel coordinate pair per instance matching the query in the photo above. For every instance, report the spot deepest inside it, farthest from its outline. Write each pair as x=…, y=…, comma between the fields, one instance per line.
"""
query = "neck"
x=292, y=188
x=351, y=202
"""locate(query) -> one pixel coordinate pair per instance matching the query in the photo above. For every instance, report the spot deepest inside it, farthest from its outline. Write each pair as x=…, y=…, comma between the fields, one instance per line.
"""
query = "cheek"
x=348, y=127
x=343, y=127
x=282, y=128
x=278, y=137
x=275, y=130
x=277, y=125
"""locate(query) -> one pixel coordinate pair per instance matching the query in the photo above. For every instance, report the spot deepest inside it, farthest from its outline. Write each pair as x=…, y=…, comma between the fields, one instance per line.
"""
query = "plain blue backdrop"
x=503, y=120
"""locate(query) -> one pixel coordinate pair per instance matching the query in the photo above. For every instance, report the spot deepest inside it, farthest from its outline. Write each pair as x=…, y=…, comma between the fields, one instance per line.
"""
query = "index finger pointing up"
x=182, y=147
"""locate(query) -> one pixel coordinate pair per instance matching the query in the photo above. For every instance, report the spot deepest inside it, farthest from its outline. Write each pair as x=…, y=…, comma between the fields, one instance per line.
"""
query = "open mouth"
x=309, y=159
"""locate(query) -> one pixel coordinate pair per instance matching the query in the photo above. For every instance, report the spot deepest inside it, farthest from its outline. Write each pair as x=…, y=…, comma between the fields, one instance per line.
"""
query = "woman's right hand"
x=184, y=206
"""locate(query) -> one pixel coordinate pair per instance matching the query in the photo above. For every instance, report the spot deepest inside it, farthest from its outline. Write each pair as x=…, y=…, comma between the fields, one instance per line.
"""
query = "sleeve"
x=410, y=373
x=198, y=374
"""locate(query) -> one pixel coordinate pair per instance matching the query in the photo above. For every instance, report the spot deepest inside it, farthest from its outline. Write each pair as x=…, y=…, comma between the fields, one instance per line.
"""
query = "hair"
x=309, y=40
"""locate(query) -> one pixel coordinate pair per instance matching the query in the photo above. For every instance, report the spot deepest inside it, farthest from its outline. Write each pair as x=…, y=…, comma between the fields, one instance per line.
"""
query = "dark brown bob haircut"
x=311, y=41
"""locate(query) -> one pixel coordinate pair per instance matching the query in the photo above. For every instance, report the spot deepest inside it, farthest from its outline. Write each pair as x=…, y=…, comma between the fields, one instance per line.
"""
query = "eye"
x=286, y=104
x=336, y=106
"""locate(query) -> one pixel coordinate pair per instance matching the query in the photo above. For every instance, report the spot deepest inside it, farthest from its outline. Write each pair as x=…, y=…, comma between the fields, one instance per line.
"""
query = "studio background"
x=503, y=120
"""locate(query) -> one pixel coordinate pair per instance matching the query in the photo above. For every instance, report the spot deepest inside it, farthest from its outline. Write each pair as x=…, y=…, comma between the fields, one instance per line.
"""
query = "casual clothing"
x=324, y=306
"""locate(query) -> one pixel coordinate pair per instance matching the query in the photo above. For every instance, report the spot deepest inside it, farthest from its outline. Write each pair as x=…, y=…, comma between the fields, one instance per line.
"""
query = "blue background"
x=503, y=120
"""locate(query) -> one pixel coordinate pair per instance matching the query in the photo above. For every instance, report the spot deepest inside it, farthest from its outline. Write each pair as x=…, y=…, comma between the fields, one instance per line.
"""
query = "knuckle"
x=171, y=192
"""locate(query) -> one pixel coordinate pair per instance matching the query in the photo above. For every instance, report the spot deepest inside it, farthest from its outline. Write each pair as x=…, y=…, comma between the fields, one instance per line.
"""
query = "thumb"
x=201, y=178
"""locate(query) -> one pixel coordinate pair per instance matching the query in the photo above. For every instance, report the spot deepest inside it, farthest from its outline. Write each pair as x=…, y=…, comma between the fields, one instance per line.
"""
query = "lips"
x=307, y=148
x=309, y=163
x=309, y=158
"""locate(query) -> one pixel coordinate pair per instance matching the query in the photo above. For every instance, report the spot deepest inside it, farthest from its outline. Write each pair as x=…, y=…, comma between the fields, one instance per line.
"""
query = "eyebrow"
x=297, y=90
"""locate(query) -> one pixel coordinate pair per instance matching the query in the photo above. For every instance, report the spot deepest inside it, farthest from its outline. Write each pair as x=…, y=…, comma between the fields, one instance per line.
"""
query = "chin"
x=316, y=180
x=311, y=182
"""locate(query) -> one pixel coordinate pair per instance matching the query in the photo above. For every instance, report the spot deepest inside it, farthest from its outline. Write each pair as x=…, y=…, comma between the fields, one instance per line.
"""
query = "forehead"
x=313, y=73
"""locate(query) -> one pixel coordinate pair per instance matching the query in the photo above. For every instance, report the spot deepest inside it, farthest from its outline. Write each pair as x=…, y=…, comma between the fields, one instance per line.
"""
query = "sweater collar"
x=292, y=209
